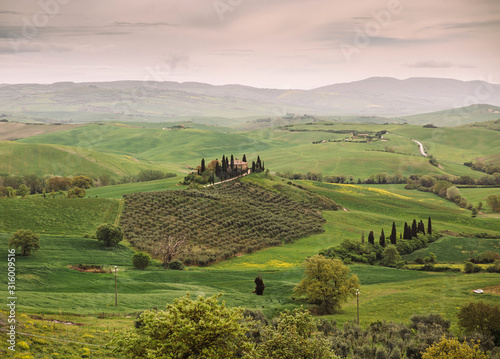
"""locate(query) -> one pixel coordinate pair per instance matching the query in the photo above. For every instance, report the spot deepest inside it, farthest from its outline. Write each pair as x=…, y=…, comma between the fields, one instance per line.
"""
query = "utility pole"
x=116, y=292
x=357, y=300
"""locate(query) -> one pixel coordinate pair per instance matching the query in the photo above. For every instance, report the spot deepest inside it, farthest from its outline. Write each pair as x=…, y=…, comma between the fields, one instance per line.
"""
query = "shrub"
x=176, y=265
x=453, y=349
x=471, y=268
x=108, y=234
x=495, y=268
x=141, y=260
x=480, y=317
x=76, y=193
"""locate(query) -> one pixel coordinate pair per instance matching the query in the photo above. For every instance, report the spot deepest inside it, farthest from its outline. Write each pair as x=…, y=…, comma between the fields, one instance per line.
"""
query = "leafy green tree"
x=25, y=241
x=390, y=256
x=382, y=239
x=480, y=317
x=108, y=234
x=291, y=337
x=82, y=182
x=393, y=236
x=187, y=328
x=327, y=283
x=451, y=348
x=141, y=260
x=492, y=201
x=23, y=190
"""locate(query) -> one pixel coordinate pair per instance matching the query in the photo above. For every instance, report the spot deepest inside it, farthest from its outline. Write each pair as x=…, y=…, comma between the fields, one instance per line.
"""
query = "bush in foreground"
x=453, y=349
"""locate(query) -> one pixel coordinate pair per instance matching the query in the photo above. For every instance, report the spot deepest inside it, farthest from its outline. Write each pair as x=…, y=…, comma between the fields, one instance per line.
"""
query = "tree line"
x=15, y=185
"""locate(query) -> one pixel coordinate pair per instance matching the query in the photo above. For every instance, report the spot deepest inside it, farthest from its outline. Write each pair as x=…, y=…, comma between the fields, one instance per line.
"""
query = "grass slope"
x=56, y=215
x=47, y=159
x=290, y=151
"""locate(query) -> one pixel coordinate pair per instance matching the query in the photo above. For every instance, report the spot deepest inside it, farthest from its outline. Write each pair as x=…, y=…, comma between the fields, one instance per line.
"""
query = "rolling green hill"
x=291, y=149
x=49, y=159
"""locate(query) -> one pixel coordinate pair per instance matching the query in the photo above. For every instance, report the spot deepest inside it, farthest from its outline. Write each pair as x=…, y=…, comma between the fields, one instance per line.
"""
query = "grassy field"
x=56, y=215
x=117, y=191
x=476, y=195
x=456, y=250
x=180, y=149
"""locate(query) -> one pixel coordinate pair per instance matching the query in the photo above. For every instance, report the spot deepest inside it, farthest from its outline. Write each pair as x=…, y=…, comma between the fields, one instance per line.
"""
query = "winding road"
x=421, y=147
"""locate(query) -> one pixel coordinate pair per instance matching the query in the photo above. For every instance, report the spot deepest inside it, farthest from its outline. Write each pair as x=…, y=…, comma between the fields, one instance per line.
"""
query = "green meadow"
x=47, y=286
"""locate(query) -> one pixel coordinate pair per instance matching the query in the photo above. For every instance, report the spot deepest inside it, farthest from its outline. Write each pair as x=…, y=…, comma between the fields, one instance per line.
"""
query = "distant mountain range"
x=164, y=101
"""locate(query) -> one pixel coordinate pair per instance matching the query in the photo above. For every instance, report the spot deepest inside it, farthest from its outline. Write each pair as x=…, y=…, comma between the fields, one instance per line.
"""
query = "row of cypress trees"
x=409, y=232
x=226, y=168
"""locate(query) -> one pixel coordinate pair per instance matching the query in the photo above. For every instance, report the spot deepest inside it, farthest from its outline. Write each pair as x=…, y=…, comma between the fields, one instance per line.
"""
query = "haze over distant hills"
x=161, y=101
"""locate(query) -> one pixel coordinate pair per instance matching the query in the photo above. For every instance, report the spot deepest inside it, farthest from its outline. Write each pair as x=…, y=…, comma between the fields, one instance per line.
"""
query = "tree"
x=23, y=190
x=453, y=194
x=492, y=201
x=169, y=247
x=291, y=337
x=108, y=234
x=202, y=169
x=259, y=285
x=327, y=283
x=452, y=349
x=480, y=317
x=429, y=226
x=244, y=159
x=382, y=238
x=187, y=328
x=141, y=260
x=371, y=238
x=82, y=182
x=76, y=193
x=25, y=241
x=390, y=256
x=414, y=229
x=393, y=236
x=421, y=227
x=407, y=232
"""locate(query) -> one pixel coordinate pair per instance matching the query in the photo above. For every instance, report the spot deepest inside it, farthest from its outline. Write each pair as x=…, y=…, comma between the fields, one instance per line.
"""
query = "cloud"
x=473, y=25
x=18, y=46
x=141, y=24
x=437, y=64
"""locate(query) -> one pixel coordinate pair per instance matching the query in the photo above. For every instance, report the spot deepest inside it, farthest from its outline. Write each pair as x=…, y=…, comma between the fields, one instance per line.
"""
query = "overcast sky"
x=264, y=43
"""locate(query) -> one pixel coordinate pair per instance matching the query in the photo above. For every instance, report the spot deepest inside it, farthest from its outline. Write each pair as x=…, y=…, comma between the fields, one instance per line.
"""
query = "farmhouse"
x=240, y=165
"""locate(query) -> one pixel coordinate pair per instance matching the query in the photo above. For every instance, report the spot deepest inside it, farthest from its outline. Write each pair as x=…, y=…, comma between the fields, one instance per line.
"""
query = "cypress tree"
x=202, y=165
x=244, y=158
x=393, y=233
x=371, y=238
x=382, y=238
x=414, y=230
x=363, y=237
x=217, y=169
x=421, y=227
x=253, y=166
x=232, y=163
x=258, y=165
x=406, y=232
x=429, y=226
x=263, y=168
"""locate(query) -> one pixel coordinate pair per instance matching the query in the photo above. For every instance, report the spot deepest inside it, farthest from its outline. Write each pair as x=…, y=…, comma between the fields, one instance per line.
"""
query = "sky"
x=286, y=44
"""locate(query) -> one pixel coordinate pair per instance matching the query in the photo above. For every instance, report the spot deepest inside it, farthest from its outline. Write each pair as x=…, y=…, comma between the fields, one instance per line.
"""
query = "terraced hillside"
x=222, y=221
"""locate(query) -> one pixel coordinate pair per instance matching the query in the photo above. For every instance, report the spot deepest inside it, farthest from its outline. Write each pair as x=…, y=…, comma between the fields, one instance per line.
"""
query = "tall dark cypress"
x=371, y=238
x=429, y=226
x=421, y=227
x=253, y=166
x=406, y=232
x=258, y=165
x=244, y=158
x=202, y=165
x=263, y=168
x=393, y=233
x=414, y=230
x=217, y=168
x=232, y=163
x=382, y=238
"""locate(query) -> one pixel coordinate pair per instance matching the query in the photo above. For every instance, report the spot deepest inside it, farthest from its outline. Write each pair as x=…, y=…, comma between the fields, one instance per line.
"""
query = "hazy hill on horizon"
x=164, y=101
